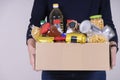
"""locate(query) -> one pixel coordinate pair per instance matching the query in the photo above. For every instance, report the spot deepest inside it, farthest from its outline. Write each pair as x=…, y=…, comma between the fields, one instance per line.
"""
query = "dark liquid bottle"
x=56, y=14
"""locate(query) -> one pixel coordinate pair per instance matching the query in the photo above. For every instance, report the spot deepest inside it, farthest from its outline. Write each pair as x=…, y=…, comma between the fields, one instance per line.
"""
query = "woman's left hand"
x=113, y=54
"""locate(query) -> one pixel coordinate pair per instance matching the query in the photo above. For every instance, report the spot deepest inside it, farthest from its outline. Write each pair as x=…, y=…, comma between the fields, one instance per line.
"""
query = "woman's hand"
x=113, y=53
x=31, y=50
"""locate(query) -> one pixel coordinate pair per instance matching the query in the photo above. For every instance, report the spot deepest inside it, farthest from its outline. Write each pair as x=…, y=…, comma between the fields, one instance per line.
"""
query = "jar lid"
x=95, y=16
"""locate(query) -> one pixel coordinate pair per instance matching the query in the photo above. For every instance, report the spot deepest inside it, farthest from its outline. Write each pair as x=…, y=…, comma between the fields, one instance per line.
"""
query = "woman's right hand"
x=31, y=50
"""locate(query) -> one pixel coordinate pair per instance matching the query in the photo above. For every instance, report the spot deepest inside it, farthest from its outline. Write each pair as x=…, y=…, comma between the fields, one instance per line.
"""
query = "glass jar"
x=97, y=21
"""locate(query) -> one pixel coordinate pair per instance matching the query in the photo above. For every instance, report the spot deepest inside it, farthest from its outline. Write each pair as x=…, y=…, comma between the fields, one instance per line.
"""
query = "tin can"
x=85, y=26
x=108, y=32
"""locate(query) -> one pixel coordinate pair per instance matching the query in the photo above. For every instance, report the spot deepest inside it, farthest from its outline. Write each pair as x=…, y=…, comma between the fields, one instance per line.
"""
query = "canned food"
x=72, y=26
x=85, y=26
x=108, y=31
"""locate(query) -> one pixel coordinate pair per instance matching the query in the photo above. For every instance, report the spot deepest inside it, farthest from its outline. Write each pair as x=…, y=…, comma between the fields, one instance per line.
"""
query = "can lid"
x=85, y=26
x=95, y=16
x=55, y=5
x=72, y=24
x=69, y=20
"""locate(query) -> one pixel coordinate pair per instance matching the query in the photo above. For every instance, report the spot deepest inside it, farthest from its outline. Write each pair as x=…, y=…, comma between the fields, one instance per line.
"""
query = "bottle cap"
x=55, y=5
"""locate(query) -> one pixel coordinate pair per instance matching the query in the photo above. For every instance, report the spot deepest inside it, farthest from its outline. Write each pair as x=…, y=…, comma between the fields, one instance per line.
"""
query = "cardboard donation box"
x=72, y=56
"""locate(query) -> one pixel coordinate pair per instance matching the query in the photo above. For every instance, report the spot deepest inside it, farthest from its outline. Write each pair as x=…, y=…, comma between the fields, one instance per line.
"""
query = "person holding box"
x=78, y=10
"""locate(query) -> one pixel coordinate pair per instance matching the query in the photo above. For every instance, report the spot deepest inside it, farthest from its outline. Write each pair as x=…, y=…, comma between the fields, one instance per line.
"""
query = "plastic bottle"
x=56, y=14
x=57, y=23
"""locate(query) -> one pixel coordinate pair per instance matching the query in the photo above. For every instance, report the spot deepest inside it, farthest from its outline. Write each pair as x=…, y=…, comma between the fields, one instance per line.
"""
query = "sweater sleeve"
x=39, y=12
x=105, y=10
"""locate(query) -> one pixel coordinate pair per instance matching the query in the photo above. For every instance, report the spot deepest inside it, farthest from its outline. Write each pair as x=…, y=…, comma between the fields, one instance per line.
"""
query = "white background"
x=14, y=58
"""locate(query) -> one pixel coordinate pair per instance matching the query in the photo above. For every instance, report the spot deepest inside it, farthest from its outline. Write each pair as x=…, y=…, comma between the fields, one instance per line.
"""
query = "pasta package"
x=36, y=32
x=97, y=38
x=76, y=38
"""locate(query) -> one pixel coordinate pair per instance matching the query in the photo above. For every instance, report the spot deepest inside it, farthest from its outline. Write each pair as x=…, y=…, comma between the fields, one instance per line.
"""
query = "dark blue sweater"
x=72, y=9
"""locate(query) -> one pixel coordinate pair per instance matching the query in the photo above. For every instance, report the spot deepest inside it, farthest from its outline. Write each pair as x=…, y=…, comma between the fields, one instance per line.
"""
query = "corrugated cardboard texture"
x=72, y=56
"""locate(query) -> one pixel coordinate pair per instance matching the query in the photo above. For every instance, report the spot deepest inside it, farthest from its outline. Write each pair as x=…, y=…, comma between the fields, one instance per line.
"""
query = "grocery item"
x=53, y=32
x=85, y=26
x=100, y=35
x=44, y=28
x=108, y=32
x=59, y=38
x=91, y=31
x=95, y=29
x=97, y=21
x=56, y=23
x=69, y=30
x=97, y=38
x=72, y=26
x=63, y=34
x=76, y=38
x=46, y=39
x=56, y=14
x=36, y=32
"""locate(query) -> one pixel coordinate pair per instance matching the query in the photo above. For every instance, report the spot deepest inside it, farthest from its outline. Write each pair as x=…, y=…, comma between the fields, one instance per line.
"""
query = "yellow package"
x=76, y=38
x=97, y=38
x=35, y=32
x=46, y=39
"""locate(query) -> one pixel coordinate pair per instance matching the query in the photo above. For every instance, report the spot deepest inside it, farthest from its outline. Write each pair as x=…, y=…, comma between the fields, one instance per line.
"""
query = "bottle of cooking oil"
x=56, y=14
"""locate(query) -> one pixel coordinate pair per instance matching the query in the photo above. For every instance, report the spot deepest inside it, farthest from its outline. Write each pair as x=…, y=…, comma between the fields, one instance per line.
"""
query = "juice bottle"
x=56, y=14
